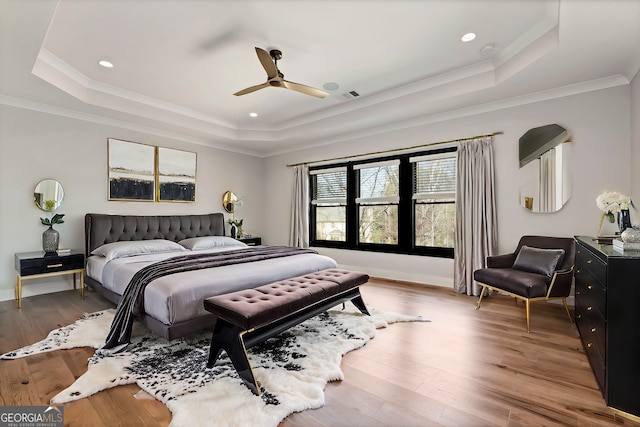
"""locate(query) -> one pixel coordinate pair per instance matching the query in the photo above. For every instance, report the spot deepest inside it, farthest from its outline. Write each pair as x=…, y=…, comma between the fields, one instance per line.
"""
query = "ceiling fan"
x=275, y=78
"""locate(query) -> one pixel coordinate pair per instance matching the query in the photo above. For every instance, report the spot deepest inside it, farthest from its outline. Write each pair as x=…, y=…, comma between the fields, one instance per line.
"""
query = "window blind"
x=434, y=177
x=330, y=186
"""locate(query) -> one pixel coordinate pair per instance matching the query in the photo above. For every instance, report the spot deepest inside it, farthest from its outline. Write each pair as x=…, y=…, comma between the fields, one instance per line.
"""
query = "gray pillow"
x=536, y=260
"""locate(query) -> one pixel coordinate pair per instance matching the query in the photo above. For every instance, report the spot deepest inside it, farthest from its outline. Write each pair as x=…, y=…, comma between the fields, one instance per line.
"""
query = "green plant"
x=236, y=222
x=49, y=205
x=56, y=219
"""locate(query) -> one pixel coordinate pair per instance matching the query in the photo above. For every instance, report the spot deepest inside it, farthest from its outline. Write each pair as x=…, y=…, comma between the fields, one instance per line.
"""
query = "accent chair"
x=540, y=269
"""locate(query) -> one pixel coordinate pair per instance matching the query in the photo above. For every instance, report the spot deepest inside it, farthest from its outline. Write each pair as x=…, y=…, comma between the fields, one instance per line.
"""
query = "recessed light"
x=468, y=37
x=253, y=114
x=106, y=64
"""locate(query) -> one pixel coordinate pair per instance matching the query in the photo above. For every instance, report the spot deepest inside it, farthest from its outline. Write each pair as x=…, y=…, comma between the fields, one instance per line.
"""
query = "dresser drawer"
x=590, y=293
x=30, y=265
x=592, y=327
x=597, y=365
x=587, y=262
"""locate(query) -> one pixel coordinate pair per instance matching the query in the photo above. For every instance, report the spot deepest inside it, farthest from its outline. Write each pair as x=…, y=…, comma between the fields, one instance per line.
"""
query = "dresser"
x=34, y=265
x=607, y=300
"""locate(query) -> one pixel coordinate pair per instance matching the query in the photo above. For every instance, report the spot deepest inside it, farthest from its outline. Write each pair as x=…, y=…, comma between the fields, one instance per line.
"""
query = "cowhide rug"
x=291, y=368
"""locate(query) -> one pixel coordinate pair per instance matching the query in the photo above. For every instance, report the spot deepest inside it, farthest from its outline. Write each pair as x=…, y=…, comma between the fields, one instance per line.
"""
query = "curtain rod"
x=396, y=150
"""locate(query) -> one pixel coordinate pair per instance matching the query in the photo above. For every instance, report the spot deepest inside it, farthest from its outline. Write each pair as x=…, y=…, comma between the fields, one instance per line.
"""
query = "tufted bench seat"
x=248, y=317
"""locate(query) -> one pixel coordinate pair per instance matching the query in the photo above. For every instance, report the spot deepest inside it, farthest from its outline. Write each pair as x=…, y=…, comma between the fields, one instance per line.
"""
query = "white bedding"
x=178, y=297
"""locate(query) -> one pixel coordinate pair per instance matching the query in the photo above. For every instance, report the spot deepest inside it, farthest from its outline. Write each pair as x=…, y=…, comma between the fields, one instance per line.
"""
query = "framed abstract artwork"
x=176, y=175
x=131, y=171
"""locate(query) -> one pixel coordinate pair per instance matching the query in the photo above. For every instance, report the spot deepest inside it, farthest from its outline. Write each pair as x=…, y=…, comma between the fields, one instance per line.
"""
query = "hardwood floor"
x=466, y=367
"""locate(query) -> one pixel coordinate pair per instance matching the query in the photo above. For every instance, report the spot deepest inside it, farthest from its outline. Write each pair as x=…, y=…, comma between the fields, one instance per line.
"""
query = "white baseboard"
x=421, y=279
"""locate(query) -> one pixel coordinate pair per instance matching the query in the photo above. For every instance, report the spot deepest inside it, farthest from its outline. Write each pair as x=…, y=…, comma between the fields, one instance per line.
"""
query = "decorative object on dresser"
x=607, y=293
x=36, y=265
x=631, y=235
x=540, y=269
x=236, y=228
x=50, y=236
x=612, y=203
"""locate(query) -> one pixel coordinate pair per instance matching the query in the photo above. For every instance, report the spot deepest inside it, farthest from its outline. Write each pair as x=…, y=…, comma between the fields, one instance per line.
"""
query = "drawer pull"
x=578, y=293
x=589, y=308
x=54, y=265
x=579, y=316
x=590, y=287
x=593, y=330
x=589, y=345
x=589, y=261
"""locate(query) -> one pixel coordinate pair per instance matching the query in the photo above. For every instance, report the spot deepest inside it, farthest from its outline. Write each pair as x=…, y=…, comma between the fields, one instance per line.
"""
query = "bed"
x=118, y=246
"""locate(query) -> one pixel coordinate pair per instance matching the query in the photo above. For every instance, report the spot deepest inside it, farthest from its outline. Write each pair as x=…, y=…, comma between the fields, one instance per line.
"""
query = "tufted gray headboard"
x=101, y=228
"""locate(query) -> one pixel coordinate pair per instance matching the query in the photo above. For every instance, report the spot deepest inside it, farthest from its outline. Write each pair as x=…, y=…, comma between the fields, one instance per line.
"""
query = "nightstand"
x=35, y=265
x=251, y=241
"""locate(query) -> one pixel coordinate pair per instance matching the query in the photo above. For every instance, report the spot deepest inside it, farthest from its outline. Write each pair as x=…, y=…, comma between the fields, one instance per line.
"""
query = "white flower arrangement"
x=611, y=202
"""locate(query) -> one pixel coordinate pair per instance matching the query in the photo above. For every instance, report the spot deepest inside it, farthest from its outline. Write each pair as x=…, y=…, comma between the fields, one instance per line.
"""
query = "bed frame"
x=100, y=229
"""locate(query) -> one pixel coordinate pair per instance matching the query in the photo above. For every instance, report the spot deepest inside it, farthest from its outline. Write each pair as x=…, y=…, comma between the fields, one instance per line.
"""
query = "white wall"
x=600, y=125
x=635, y=149
x=36, y=146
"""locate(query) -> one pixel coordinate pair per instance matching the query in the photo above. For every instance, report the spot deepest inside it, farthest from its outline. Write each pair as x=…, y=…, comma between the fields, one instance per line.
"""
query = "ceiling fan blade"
x=252, y=89
x=267, y=63
x=307, y=90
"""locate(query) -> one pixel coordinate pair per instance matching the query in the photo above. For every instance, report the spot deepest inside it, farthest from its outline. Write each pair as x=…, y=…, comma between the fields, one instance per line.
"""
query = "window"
x=379, y=195
x=400, y=204
x=434, y=196
x=329, y=203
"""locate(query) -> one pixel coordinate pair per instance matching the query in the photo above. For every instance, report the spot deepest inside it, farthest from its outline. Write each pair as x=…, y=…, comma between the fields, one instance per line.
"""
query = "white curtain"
x=476, y=233
x=548, y=179
x=299, y=233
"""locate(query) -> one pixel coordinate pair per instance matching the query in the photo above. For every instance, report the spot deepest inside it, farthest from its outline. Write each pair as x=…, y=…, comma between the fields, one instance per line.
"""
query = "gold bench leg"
x=528, y=310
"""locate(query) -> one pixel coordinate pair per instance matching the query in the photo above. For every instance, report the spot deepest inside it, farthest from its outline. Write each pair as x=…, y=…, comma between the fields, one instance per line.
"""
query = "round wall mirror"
x=48, y=195
x=229, y=200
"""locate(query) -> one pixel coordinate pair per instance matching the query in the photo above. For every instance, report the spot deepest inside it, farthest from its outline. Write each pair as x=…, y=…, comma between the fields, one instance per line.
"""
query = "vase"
x=233, y=231
x=624, y=220
x=631, y=235
x=50, y=240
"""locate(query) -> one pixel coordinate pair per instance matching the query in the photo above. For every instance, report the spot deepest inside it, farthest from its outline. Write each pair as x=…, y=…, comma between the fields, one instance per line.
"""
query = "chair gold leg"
x=484, y=288
x=528, y=310
x=566, y=307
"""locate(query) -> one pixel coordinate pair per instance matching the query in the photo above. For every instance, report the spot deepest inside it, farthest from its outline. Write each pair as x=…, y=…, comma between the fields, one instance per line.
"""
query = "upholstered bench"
x=246, y=318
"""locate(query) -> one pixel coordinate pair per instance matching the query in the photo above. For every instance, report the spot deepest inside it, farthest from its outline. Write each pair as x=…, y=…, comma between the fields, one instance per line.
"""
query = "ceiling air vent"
x=351, y=94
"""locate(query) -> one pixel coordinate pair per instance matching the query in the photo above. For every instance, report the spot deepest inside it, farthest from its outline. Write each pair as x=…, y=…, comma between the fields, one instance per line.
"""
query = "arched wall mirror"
x=229, y=200
x=48, y=195
x=544, y=168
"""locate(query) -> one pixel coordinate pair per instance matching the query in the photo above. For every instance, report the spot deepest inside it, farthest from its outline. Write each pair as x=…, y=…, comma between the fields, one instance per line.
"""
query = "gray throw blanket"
x=132, y=301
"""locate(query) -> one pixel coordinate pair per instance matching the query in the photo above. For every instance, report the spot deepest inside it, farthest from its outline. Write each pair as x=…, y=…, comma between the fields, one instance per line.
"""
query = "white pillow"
x=137, y=247
x=208, y=242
